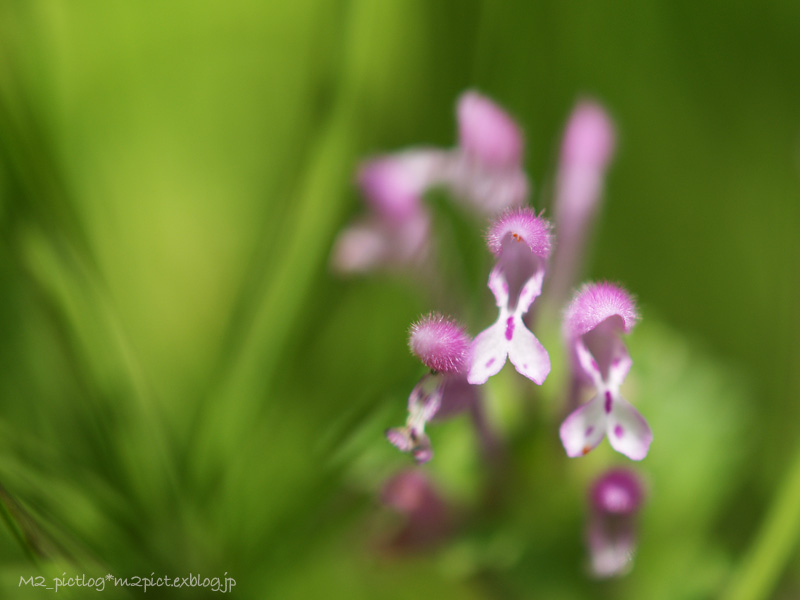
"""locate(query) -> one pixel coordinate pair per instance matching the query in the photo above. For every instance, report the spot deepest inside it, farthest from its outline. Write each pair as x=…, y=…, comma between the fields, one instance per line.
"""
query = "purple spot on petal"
x=619, y=431
x=510, y=328
x=525, y=366
x=589, y=431
x=608, y=402
x=595, y=366
x=615, y=362
x=490, y=362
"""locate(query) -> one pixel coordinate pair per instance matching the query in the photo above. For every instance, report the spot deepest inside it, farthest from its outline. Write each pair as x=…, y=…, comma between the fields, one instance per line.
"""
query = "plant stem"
x=757, y=577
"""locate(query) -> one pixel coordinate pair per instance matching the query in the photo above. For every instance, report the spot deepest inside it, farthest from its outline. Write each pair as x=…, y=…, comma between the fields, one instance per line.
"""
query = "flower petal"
x=582, y=430
x=424, y=400
x=483, y=189
x=499, y=286
x=526, y=353
x=487, y=132
x=393, y=184
x=530, y=291
x=400, y=438
x=596, y=302
x=359, y=248
x=489, y=351
x=457, y=396
x=440, y=343
x=423, y=452
x=628, y=432
x=406, y=439
x=620, y=366
x=611, y=548
x=588, y=363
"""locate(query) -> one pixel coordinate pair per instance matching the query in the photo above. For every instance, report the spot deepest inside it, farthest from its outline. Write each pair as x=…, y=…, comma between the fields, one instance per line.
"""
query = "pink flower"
x=427, y=516
x=485, y=171
x=586, y=150
x=593, y=324
x=487, y=133
x=396, y=233
x=615, y=499
x=393, y=185
x=444, y=347
x=486, y=168
x=521, y=242
x=375, y=243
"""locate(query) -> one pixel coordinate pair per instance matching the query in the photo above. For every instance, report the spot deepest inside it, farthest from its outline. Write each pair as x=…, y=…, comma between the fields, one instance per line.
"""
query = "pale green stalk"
x=758, y=575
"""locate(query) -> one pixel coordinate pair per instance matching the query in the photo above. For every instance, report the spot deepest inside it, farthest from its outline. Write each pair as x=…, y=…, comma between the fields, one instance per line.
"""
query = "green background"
x=186, y=387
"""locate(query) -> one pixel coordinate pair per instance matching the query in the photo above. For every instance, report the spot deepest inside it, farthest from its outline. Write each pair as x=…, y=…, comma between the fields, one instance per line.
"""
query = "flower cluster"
x=484, y=175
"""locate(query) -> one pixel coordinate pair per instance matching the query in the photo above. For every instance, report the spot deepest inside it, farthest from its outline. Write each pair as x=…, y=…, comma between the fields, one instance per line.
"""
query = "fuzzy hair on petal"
x=526, y=227
x=440, y=343
x=596, y=302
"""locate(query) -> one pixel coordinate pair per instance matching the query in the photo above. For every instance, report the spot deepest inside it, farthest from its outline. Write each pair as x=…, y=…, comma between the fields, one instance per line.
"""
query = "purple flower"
x=593, y=324
x=485, y=171
x=521, y=242
x=614, y=499
x=397, y=230
x=486, y=168
x=427, y=516
x=586, y=150
x=393, y=185
x=381, y=243
x=444, y=347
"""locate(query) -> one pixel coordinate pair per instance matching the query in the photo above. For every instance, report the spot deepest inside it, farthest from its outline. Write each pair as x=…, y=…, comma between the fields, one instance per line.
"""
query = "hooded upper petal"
x=440, y=343
x=596, y=302
x=523, y=226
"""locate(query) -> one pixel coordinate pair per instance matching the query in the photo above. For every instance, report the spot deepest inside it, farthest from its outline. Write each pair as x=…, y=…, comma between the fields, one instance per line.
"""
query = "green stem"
x=12, y=517
x=772, y=549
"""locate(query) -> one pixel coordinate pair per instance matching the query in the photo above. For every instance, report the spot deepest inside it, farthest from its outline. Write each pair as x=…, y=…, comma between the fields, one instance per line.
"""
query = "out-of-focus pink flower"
x=521, y=242
x=487, y=133
x=586, y=150
x=614, y=500
x=427, y=517
x=593, y=324
x=397, y=231
x=393, y=185
x=444, y=347
x=485, y=170
x=380, y=243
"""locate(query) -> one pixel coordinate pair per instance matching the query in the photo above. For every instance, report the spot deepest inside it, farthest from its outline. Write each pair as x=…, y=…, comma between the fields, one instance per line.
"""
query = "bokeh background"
x=185, y=386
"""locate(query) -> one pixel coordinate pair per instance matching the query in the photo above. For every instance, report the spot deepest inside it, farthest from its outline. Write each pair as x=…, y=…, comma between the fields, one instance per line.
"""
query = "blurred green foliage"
x=184, y=385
